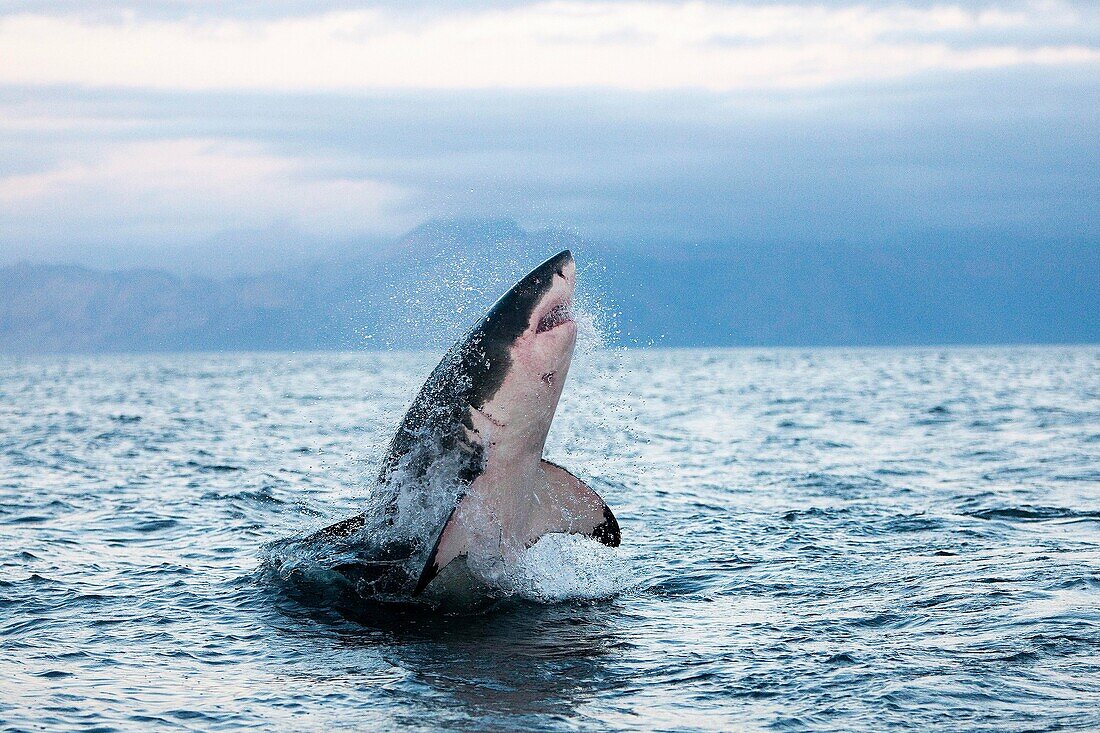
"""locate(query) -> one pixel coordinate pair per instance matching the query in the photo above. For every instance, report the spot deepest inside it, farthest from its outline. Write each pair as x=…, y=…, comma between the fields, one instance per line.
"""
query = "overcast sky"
x=135, y=132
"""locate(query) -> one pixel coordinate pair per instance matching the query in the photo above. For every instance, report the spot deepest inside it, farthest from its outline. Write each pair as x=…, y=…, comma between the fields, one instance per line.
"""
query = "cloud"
x=154, y=125
x=193, y=188
x=1005, y=152
x=631, y=46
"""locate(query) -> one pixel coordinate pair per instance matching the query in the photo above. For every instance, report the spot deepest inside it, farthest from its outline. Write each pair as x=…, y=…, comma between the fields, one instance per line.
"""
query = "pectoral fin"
x=569, y=507
x=582, y=511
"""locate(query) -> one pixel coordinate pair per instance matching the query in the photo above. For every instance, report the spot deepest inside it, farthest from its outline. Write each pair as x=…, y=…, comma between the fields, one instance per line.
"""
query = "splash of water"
x=562, y=567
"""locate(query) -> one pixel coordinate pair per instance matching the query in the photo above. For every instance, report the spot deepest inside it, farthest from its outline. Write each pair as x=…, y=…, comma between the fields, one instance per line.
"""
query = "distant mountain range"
x=432, y=283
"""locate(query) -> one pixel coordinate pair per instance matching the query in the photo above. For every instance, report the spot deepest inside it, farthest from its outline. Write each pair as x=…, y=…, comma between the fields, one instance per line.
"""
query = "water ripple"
x=813, y=540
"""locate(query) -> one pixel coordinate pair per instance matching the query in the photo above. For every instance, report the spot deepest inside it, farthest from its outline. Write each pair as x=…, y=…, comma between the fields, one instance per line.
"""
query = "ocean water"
x=812, y=540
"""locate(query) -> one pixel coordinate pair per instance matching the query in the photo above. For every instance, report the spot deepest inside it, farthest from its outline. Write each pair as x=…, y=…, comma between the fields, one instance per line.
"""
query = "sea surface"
x=848, y=540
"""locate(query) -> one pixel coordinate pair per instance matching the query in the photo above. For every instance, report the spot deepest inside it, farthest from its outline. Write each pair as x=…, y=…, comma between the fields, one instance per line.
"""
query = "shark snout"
x=565, y=266
x=555, y=308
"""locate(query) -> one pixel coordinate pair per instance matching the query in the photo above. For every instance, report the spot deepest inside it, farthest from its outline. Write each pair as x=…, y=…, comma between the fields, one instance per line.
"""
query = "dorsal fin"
x=342, y=529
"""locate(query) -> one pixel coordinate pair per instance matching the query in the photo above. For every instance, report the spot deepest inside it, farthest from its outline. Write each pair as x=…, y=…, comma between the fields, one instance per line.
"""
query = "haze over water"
x=812, y=539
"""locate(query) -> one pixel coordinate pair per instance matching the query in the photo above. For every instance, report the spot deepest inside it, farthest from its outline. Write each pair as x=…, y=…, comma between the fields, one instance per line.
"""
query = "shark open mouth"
x=556, y=316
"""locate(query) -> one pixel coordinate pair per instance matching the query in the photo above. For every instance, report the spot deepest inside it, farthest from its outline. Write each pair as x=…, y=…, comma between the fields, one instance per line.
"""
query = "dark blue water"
x=813, y=540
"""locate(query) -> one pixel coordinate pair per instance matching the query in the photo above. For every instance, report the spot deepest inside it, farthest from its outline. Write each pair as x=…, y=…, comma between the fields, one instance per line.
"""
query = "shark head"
x=499, y=385
x=526, y=343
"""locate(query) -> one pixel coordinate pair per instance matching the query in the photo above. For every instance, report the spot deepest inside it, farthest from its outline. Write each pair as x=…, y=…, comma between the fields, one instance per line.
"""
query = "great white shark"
x=478, y=426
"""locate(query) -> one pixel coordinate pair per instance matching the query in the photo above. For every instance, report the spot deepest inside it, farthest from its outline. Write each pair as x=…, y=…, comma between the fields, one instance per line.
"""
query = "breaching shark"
x=478, y=426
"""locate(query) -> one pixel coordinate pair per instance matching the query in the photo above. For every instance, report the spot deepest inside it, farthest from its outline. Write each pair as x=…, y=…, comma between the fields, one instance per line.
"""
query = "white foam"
x=563, y=567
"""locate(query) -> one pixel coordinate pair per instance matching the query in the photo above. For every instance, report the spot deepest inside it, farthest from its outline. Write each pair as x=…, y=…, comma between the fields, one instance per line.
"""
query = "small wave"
x=828, y=484
x=29, y=519
x=212, y=467
x=154, y=525
x=1028, y=513
x=263, y=495
x=815, y=512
